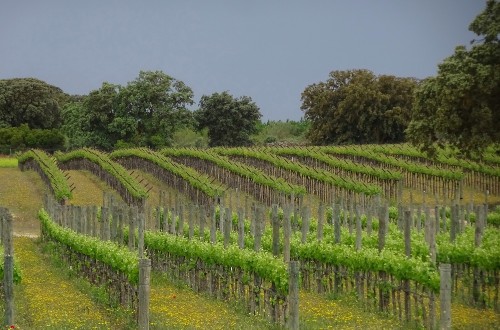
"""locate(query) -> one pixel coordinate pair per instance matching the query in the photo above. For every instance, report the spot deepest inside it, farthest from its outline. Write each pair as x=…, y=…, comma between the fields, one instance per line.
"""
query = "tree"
x=146, y=112
x=230, y=121
x=460, y=107
x=355, y=106
x=155, y=106
x=30, y=101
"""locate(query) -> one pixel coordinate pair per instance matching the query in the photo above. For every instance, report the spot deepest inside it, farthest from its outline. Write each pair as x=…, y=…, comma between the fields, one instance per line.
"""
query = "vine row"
x=183, y=178
x=111, y=172
x=48, y=170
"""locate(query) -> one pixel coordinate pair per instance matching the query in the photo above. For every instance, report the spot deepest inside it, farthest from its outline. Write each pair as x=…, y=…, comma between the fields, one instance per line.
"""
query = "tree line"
x=459, y=107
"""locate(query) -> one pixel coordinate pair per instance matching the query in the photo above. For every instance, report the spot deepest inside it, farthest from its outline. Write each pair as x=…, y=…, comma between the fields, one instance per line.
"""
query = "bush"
x=22, y=137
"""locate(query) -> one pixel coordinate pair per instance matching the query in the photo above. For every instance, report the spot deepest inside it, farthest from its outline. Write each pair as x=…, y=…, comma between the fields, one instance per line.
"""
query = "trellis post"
x=144, y=292
x=8, y=275
x=445, y=296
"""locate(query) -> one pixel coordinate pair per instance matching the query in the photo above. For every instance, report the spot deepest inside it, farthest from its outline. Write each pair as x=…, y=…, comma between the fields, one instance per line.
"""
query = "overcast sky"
x=270, y=50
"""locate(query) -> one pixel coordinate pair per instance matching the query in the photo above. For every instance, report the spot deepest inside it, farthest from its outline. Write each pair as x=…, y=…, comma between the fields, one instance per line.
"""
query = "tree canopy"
x=30, y=101
x=460, y=107
x=146, y=112
x=356, y=106
x=230, y=121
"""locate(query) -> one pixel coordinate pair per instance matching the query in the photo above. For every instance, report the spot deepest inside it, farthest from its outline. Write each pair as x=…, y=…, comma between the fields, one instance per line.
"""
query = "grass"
x=344, y=312
x=21, y=193
x=49, y=299
x=89, y=189
x=173, y=306
x=6, y=162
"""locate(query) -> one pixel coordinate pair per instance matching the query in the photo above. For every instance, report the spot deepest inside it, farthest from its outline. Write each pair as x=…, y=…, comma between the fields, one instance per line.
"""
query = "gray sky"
x=270, y=50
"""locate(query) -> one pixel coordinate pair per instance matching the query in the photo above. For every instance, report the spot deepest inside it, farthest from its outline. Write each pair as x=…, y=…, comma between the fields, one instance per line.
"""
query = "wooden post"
x=119, y=236
x=336, y=222
x=358, y=229
x=407, y=232
x=436, y=216
x=8, y=275
x=406, y=283
x=180, y=229
x=259, y=221
x=382, y=227
x=433, y=223
x=478, y=235
x=221, y=215
x=93, y=221
x=287, y=233
x=419, y=219
x=293, y=296
x=479, y=225
x=173, y=223
x=400, y=219
x=144, y=292
x=369, y=225
x=276, y=230
x=241, y=229
x=104, y=222
x=213, y=225
x=141, y=220
x=454, y=221
x=131, y=228
x=305, y=224
x=191, y=221
x=321, y=220
x=443, y=219
x=445, y=296
x=227, y=226
x=201, y=219
x=8, y=284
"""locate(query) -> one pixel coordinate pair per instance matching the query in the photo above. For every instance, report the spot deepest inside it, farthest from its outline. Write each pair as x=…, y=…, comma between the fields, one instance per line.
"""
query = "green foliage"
x=257, y=176
x=406, y=166
x=319, y=175
x=189, y=138
x=17, y=275
x=6, y=162
x=262, y=264
x=113, y=168
x=281, y=132
x=351, y=166
x=30, y=101
x=355, y=106
x=195, y=179
x=460, y=106
x=369, y=259
x=445, y=156
x=230, y=121
x=22, y=137
x=463, y=250
x=151, y=108
x=59, y=184
x=119, y=258
x=146, y=112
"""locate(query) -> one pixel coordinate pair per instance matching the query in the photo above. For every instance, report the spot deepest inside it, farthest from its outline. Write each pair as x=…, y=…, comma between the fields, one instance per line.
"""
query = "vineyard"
x=409, y=239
